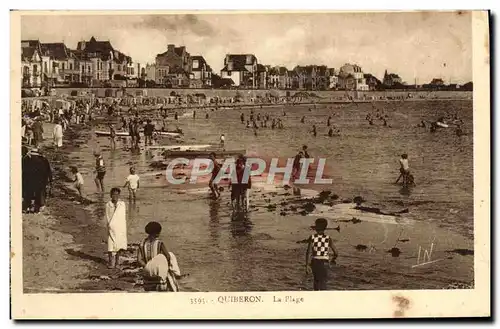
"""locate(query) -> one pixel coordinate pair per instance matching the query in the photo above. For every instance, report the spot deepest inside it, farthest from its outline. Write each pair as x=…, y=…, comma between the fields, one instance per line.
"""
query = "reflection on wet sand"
x=240, y=224
x=214, y=225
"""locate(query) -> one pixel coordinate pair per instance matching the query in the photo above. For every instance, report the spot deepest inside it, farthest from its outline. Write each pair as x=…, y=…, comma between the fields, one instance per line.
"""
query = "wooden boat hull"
x=202, y=153
x=178, y=147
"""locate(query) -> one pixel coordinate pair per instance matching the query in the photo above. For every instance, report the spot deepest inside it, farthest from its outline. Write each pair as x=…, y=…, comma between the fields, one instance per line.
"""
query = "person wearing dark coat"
x=37, y=132
x=36, y=175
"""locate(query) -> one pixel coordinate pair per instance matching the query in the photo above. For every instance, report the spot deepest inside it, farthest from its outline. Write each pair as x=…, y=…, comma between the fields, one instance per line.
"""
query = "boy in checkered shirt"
x=318, y=247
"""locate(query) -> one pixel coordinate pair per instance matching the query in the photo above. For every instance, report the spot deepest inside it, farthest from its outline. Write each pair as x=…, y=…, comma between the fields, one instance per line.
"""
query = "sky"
x=422, y=45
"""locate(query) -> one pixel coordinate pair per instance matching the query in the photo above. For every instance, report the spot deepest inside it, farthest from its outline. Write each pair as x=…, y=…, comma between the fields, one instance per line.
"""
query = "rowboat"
x=178, y=147
x=441, y=124
x=126, y=133
x=203, y=153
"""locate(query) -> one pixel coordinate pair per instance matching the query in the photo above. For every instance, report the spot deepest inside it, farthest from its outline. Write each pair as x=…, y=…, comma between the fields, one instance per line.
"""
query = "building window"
x=88, y=69
x=45, y=69
x=119, y=68
x=70, y=66
x=63, y=66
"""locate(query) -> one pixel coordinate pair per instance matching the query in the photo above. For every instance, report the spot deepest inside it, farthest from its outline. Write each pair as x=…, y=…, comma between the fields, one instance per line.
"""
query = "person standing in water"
x=100, y=171
x=318, y=256
x=148, y=132
x=314, y=132
x=303, y=120
x=328, y=123
x=132, y=182
x=215, y=171
x=404, y=169
x=116, y=220
x=242, y=118
x=222, y=141
x=112, y=136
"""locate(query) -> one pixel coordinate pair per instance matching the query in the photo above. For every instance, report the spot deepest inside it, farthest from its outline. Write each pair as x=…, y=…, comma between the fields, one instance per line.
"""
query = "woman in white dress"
x=116, y=219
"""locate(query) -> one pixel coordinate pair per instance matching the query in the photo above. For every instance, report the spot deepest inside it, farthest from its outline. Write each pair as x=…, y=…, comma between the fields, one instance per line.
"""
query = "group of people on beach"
x=161, y=270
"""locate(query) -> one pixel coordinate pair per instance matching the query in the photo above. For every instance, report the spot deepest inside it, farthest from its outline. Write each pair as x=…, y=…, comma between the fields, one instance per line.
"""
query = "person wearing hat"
x=318, y=256
x=37, y=128
x=36, y=176
x=100, y=171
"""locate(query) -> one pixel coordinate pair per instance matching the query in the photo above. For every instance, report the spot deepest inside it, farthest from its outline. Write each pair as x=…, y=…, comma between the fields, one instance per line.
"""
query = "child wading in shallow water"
x=318, y=248
x=78, y=182
x=132, y=183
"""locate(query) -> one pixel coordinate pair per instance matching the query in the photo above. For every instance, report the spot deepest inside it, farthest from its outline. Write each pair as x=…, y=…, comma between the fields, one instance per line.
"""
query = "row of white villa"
x=94, y=62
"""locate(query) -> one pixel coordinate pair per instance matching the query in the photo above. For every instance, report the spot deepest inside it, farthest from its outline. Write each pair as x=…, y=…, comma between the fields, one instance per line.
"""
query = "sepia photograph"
x=250, y=160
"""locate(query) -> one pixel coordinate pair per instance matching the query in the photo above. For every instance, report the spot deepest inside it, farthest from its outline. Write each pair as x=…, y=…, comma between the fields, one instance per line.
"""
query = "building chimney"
x=170, y=47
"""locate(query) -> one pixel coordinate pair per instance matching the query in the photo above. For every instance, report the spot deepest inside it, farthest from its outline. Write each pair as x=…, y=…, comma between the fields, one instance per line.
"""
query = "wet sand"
x=260, y=251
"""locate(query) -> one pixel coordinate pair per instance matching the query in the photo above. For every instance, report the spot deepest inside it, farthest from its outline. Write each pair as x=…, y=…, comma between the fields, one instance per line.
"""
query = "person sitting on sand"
x=116, y=220
x=78, y=181
x=330, y=132
x=318, y=255
x=160, y=268
x=132, y=182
